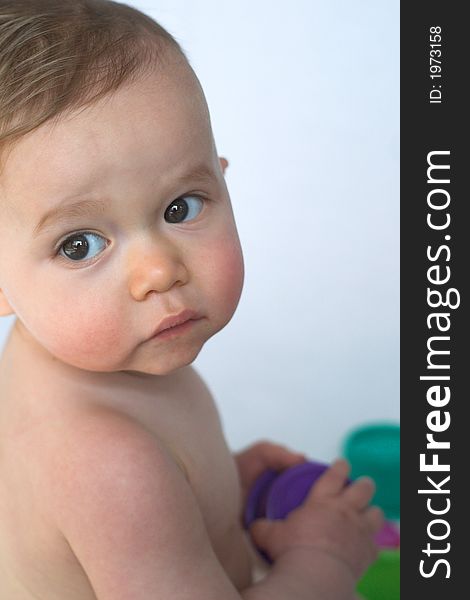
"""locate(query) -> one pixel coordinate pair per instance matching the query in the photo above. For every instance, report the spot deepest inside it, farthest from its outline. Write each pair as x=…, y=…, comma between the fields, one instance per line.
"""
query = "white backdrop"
x=304, y=100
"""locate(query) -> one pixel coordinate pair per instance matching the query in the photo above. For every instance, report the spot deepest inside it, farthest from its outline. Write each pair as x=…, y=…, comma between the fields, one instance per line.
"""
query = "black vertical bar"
x=433, y=120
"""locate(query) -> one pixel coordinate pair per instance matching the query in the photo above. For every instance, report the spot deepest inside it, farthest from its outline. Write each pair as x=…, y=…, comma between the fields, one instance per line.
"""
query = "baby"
x=120, y=258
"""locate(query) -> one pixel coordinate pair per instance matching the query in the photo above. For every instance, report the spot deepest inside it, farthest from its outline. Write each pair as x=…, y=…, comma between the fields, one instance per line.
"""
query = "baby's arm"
x=130, y=516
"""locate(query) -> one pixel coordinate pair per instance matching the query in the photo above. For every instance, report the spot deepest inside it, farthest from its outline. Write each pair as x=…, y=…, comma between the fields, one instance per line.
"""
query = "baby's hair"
x=62, y=55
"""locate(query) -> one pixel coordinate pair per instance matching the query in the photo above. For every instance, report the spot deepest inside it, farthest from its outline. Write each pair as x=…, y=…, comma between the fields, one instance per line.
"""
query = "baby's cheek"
x=87, y=338
x=228, y=272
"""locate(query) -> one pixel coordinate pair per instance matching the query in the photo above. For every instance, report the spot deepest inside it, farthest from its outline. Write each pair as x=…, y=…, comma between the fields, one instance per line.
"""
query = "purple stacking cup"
x=274, y=495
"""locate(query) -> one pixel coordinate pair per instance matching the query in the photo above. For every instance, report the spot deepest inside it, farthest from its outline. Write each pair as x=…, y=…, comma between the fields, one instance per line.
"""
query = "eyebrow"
x=66, y=209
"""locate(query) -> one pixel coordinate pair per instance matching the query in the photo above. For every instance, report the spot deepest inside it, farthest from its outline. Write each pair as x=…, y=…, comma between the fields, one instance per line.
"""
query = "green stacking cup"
x=382, y=580
x=374, y=450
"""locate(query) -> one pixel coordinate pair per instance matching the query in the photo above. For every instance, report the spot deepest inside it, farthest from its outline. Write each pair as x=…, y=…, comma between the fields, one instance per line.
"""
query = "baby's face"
x=153, y=233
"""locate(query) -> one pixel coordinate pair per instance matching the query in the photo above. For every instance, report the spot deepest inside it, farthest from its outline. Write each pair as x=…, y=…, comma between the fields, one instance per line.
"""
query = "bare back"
x=36, y=561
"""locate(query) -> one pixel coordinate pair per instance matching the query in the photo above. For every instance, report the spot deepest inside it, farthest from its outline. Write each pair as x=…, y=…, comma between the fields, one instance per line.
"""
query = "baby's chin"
x=160, y=366
x=178, y=356
x=147, y=375
x=158, y=370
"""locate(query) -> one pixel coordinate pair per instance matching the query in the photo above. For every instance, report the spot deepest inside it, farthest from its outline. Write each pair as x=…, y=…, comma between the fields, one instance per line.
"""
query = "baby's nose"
x=155, y=267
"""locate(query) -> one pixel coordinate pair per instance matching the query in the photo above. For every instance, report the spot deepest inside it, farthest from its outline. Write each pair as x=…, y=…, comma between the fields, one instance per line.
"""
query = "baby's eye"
x=183, y=209
x=77, y=247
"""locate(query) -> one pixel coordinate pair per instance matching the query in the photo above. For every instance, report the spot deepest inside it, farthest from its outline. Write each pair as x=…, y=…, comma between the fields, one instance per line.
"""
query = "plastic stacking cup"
x=388, y=536
x=274, y=495
x=382, y=579
x=374, y=450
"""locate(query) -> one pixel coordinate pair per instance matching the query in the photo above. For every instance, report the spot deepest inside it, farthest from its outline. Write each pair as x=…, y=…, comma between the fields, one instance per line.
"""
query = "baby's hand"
x=334, y=519
x=261, y=456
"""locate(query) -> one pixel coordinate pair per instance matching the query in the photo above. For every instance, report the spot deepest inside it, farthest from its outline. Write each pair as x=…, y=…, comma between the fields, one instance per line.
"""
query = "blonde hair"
x=60, y=55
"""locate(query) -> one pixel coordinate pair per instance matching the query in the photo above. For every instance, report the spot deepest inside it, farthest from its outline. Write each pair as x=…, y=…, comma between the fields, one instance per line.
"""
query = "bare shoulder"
x=102, y=446
x=188, y=381
x=129, y=514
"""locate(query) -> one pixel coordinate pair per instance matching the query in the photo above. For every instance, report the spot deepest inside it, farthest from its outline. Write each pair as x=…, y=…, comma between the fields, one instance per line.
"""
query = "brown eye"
x=183, y=209
x=78, y=246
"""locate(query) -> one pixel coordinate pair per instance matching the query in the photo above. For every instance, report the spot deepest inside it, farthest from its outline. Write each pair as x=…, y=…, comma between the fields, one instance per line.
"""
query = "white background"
x=304, y=100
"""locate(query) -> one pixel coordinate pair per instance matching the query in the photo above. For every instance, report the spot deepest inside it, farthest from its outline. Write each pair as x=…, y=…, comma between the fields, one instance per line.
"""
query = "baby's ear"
x=5, y=308
x=223, y=163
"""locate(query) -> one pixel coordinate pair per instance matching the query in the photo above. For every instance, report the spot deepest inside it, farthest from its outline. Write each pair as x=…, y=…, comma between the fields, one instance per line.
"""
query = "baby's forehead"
x=161, y=119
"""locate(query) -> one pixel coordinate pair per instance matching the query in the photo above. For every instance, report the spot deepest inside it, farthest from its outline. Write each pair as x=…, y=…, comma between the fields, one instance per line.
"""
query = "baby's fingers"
x=359, y=493
x=331, y=482
x=374, y=518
